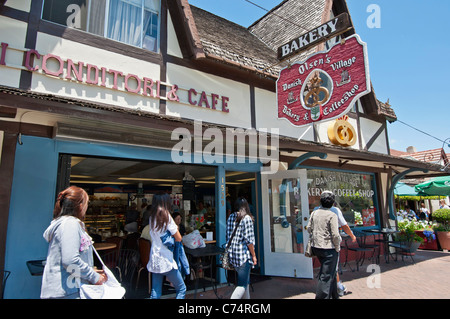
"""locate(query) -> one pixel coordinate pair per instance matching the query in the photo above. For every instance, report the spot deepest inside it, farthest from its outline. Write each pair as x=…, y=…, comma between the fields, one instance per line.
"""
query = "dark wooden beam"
x=6, y=172
x=8, y=112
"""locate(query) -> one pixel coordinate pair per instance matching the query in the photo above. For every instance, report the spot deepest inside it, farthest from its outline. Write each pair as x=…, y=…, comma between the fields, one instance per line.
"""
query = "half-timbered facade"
x=86, y=99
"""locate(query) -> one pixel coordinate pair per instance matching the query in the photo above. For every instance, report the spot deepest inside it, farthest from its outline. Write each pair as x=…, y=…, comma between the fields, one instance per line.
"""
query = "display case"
x=106, y=214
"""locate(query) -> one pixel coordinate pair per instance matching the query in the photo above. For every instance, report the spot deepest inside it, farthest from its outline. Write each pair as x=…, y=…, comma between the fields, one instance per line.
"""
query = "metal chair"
x=6, y=274
x=144, y=251
x=405, y=246
x=123, y=266
x=360, y=249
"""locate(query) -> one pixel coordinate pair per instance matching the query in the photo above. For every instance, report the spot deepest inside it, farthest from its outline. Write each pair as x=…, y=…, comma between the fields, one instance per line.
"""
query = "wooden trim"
x=335, y=165
x=7, y=174
x=99, y=42
x=357, y=155
x=14, y=14
x=27, y=129
x=31, y=39
x=185, y=29
x=227, y=71
x=252, y=106
x=374, y=138
x=163, y=48
x=91, y=113
x=384, y=208
x=8, y=112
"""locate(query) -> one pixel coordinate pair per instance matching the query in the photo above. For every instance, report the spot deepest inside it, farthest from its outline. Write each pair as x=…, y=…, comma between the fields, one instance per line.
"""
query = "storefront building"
x=186, y=103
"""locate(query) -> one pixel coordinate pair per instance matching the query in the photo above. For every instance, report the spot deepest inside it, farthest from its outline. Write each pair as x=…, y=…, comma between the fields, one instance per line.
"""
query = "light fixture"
x=229, y=174
x=246, y=180
x=81, y=176
x=149, y=179
x=98, y=182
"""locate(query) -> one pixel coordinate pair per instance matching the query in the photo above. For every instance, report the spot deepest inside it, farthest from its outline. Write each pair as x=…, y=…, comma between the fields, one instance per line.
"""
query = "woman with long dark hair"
x=69, y=259
x=242, y=248
x=162, y=263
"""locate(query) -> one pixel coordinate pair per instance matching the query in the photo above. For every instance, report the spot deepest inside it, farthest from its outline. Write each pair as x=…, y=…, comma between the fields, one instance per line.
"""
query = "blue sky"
x=408, y=60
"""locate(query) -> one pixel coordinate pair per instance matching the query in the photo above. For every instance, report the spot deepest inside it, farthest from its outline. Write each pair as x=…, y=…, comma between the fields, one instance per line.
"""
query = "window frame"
x=373, y=187
x=106, y=22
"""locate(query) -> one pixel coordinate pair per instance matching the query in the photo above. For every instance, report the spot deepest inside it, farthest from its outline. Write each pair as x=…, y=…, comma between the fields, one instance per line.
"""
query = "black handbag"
x=224, y=257
x=308, y=250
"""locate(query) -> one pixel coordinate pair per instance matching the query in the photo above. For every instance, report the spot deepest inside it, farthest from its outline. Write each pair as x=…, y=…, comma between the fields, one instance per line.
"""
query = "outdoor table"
x=386, y=232
x=36, y=267
x=201, y=259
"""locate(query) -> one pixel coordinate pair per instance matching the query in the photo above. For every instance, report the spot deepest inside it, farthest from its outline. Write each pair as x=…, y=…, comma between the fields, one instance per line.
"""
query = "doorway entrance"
x=115, y=185
x=285, y=216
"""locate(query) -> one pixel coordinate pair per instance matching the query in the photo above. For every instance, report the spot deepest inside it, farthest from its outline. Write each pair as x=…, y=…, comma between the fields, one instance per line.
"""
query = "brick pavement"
x=428, y=278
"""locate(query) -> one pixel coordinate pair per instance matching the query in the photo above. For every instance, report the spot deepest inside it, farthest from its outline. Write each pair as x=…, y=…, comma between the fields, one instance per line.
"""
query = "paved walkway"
x=428, y=278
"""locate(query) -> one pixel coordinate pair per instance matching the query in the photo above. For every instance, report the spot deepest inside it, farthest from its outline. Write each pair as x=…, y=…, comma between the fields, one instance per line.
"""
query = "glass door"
x=285, y=216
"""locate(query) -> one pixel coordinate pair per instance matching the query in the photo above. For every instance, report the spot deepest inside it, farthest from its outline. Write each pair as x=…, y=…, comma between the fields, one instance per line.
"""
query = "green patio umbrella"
x=438, y=186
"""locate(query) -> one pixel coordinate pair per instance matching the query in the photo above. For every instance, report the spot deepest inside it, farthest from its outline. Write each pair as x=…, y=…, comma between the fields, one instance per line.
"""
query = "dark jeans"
x=327, y=284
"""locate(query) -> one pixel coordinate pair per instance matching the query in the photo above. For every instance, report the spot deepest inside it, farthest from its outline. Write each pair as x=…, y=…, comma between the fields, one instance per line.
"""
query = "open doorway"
x=117, y=185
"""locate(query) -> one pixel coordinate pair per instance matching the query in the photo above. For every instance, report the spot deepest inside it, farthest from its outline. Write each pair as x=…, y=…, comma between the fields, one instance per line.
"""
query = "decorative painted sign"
x=326, y=85
x=313, y=37
x=368, y=217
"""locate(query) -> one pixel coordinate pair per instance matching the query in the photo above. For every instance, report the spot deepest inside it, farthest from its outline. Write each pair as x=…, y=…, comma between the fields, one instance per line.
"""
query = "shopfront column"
x=221, y=215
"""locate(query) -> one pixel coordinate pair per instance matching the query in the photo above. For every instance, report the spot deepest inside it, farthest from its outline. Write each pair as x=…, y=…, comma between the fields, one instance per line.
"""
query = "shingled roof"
x=435, y=156
x=224, y=40
x=255, y=47
x=386, y=110
x=288, y=20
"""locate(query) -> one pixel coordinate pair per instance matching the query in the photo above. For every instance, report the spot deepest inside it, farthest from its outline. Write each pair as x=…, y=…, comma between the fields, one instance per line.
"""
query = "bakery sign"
x=326, y=85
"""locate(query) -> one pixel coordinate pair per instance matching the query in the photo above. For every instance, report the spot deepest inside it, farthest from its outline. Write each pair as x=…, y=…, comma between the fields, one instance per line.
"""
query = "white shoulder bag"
x=111, y=289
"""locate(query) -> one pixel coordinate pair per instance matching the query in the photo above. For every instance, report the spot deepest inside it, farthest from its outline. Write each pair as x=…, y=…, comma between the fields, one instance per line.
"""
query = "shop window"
x=134, y=22
x=355, y=194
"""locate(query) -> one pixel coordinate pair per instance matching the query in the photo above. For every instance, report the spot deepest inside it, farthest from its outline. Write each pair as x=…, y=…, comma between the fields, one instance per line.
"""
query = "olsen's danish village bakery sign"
x=326, y=85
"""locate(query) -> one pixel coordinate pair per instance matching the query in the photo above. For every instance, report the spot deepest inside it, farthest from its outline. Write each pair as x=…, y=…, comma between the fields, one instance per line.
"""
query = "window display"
x=355, y=194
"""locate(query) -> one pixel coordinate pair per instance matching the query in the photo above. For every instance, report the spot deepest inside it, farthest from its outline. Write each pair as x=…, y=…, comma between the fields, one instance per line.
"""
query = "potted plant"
x=442, y=217
x=425, y=230
x=408, y=240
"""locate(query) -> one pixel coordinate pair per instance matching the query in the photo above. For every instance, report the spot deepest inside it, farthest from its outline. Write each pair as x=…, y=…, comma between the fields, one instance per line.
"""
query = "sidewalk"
x=428, y=278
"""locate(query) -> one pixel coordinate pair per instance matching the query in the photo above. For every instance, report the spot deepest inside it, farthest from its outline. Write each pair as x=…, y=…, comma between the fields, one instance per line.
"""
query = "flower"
x=86, y=241
x=429, y=234
x=358, y=218
x=199, y=222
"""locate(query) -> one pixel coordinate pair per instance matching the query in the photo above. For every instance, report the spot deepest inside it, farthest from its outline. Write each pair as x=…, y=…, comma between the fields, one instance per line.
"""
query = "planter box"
x=444, y=239
x=429, y=243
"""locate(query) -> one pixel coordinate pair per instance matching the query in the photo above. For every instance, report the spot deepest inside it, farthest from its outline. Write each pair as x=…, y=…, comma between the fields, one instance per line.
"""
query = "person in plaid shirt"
x=242, y=248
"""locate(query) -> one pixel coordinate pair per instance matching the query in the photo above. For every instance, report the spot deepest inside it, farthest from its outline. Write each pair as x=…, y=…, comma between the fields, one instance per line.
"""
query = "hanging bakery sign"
x=326, y=85
x=329, y=29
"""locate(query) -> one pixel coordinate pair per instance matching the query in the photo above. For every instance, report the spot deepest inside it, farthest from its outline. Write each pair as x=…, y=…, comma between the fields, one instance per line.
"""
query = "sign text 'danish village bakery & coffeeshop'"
x=326, y=85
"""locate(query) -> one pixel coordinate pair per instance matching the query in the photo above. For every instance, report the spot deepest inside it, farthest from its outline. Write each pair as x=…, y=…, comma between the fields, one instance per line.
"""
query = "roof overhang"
x=357, y=160
x=289, y=148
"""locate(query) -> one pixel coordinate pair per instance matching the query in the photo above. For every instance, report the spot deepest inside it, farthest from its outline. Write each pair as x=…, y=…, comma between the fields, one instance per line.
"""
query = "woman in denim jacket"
x=161, y=262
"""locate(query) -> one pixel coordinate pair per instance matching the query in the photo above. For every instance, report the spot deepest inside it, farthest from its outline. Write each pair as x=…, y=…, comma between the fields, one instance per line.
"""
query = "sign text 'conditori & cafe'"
x=54, y=65
x=326, y=85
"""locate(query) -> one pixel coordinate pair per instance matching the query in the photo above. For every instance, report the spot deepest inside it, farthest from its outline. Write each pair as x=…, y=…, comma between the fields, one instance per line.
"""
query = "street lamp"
x=446, y=141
